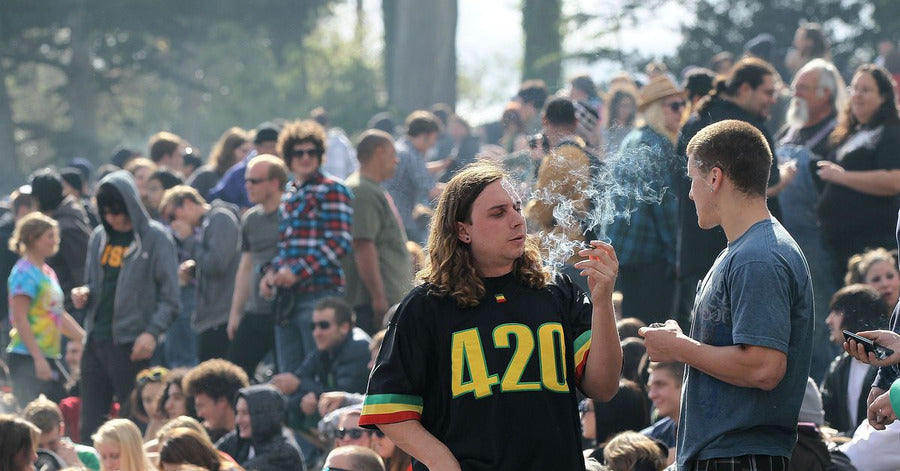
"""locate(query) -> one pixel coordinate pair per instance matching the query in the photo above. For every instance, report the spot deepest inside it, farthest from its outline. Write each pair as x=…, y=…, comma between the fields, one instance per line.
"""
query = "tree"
x=542, y=24
x=420, y=53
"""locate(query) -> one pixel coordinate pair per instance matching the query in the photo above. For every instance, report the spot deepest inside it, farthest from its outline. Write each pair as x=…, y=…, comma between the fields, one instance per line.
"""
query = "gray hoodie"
x=217, y=254
x=147, y=295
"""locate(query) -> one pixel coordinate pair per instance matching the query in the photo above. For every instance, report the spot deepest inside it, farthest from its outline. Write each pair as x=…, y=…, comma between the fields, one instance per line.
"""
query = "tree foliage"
x=542, y=24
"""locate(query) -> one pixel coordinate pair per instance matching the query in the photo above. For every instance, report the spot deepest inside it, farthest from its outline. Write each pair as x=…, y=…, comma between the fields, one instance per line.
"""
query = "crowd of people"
x=297, y=302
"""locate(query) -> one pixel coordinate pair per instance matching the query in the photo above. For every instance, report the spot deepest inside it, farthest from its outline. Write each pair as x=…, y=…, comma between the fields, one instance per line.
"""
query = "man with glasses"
x=130, y=297
x=251, y=326
x=214, y=261
x=339, y=363
x=350, y=433
x=314, y=234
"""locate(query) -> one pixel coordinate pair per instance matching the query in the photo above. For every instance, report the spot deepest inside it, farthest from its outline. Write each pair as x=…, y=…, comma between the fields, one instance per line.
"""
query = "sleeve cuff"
x=390, y=408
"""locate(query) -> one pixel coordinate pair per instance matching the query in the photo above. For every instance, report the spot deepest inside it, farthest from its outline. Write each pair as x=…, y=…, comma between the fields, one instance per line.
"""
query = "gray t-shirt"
x=259, y=236
x=375, y=220
x=758, y=292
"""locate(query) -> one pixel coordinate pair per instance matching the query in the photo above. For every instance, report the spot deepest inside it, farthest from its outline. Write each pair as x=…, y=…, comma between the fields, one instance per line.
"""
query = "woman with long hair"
x=233, y=145
x=860, y=198
x=148, y=387
x=18, y=444
x=446, y=372
x=187, y=446
x=621, y=113
x=878, y=269
x=37, y=313
x=119, y=444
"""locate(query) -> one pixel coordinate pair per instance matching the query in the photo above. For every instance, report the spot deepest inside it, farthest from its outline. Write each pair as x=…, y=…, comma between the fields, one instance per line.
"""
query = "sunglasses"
x=676, y=106
x=256, y=181
x=313, y=153
x=324, y=325
x=354, y=433
x=151, y=375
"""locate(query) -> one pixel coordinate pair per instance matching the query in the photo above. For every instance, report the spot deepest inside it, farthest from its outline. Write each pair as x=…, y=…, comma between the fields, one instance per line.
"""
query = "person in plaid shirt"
x=643, y=232
x=314, y=233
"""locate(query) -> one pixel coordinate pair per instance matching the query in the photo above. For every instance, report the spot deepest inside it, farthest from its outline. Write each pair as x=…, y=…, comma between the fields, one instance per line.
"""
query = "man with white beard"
x=818, y=94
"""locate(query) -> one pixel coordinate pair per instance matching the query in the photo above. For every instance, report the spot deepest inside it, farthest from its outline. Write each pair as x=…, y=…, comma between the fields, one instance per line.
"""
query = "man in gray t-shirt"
x=748, y=352
x=251, y=326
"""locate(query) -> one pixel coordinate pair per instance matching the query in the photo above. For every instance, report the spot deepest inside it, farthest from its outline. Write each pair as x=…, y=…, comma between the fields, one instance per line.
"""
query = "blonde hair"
x=449, y=269
x=182, y=421
x=859, y=264
x=29, y=229
x=654, y=116
x=125, y=434
x=624, y=451
x=138, y=163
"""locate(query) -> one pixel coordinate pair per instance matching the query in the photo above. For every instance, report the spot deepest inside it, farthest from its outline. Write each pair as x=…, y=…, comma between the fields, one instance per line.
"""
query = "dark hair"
x=585, y=84
x=383, y=121
x=819, y=47
x=739, y=149
x=633, y=350
x=121, y=156
x=301, y=132
x=319, y=115
x=43, y=413
x=184, y=445
x=163, y=143
x=166, y=177
x=442, y=111
x=699, y=82
x=627, y=410
x=370, y=141
x=343, y=313
x=175, y=377
x=16, y=436
x=422, y=122
x=719, y=58
x=675, y=368
x=628, y=327
x=887, y=112
x=615, y=102
x=750, y=70
x=47, y=189
x=155, y=375
x=108, y=196
x=560, y=112
x=533, y=92
x=862, y=306
x=216, y=378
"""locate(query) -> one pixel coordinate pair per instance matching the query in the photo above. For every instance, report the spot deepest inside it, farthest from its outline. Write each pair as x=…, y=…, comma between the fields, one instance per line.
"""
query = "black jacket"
x=698, y=248
x=834, y=394
x=273, y=445
x=74, y=232
x=345, y=369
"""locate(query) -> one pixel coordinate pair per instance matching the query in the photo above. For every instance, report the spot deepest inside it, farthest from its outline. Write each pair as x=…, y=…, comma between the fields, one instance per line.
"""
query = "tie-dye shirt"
x=46, y=310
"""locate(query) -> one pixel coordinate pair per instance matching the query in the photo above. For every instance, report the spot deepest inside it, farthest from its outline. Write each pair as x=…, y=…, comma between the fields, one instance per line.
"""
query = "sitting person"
x=664, y=389
x=339, y=363
x=149, y=385
x=212, y=385
x=184, y=445
x=261, y=441
x=46, y=416
x=18, y=444
x=353, y=457
x=118, y=442
x=856, y=308
x=631, y=451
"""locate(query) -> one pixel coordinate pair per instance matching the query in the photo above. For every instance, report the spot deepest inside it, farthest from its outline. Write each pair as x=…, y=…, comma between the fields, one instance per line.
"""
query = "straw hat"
x=657, y=89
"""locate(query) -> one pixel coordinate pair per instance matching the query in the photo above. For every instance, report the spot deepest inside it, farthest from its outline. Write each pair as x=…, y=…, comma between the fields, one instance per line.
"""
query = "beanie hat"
x=72, y=176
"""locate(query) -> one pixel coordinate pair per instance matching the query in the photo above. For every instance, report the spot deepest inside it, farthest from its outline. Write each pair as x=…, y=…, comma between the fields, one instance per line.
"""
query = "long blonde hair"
x=131, y=451
x=29, y=229
x=449, y=269
x=654, y=116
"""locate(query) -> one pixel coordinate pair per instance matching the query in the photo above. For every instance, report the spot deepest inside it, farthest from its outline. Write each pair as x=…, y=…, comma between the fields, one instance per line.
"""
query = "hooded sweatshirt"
x=217, y=254
x=273, y=447
x=147, y=295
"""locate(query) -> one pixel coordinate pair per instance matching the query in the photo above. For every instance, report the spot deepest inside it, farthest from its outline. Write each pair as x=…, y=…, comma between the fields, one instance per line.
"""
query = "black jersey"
x=495, y=382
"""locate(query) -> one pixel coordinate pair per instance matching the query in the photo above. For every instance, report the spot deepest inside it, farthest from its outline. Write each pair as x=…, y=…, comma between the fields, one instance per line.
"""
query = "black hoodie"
x=274, y=448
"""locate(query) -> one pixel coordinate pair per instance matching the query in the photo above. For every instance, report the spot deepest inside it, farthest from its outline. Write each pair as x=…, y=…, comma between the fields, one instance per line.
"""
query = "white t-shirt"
x=855, y=380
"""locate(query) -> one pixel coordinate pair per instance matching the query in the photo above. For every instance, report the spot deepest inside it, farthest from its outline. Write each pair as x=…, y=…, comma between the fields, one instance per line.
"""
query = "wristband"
x=895, y=397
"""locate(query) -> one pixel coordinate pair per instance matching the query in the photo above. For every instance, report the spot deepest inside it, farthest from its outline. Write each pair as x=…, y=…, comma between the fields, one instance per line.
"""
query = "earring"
x=467, y=239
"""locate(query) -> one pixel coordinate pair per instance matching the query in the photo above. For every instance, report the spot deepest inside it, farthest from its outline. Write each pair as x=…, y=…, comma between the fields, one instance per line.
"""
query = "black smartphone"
x=880, y=352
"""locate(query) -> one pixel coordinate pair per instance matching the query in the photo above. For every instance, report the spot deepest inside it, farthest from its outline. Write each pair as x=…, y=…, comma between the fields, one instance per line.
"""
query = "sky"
x=489, y=42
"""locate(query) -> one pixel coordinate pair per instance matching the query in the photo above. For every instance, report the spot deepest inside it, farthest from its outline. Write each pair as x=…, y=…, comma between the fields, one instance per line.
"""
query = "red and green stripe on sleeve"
x=582, y=348
x=390, y=408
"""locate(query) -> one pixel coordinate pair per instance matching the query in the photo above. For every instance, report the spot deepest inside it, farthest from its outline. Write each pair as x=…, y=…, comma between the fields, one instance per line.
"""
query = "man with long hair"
x=480, y=363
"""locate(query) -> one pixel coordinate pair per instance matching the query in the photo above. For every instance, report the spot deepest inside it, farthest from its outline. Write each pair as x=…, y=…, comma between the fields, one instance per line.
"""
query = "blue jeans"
x=294, y=341
x=181, y=342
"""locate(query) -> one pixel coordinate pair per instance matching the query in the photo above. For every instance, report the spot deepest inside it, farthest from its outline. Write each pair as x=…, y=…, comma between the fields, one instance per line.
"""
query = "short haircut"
x=166, y=178
x=163, y=143
x=277, y=169
x=20, y=200
x=182, y=421
x=363, y=459
x=585, y=84
x=138, y=163
x=442, y=112
x=533, y=92
x=675, y=368
x=632, y=450
x=739, y=149
x=43, y=413
x=422, y=122
x=750, y=70
x=342, y=311
x=301, y=132
x=629, y=327
x=47, y=188
x=216, y=378
x=178, y=194
x=319, y=115
x=862, y=306
x=370, y=141
x=560, y=112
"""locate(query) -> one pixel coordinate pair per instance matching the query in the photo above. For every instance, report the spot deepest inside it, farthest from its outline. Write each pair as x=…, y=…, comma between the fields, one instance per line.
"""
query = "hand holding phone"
x=880, y=352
